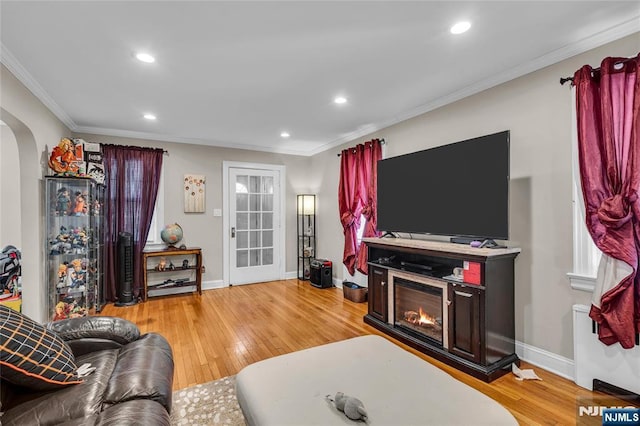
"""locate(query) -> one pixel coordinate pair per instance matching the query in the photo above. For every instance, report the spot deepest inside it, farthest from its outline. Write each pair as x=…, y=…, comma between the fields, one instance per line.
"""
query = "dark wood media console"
x=476, y=318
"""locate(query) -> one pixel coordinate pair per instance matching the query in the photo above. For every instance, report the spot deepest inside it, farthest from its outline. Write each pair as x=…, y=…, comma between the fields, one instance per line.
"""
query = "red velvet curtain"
x=356, y=197
x=369, y=197
x=608, y=105
x=349, y=204
x=132, y=179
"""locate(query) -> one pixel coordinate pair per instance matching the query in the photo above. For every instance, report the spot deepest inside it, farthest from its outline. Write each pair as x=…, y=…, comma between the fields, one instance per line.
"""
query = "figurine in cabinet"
x=62, y=274
x=185, y=264
x=96, y=207
x=73, y=219
x=77, y=274
x=69, y=309
x=60, y=311
x=60, y=245
x=63, y=202
x=79, y=206
x=79, y=240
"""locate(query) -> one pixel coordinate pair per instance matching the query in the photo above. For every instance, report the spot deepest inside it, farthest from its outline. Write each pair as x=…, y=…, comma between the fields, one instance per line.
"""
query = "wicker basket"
x=354, y=292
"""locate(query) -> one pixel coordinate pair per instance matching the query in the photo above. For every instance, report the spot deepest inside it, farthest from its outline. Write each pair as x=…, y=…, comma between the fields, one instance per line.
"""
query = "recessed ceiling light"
x=150, y=116
x=460, y=27
x=284, y=135
x=340, y=100
x=145, y=57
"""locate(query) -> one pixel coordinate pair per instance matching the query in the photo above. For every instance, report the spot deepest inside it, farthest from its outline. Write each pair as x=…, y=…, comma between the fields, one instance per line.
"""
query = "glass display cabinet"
x=73, y=222
x=306, y=218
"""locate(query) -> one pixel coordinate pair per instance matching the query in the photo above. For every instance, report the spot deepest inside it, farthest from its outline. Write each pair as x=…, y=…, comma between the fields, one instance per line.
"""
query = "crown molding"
x=628, y=27
x=16, y=68
x=175, y=139
x=596, y=40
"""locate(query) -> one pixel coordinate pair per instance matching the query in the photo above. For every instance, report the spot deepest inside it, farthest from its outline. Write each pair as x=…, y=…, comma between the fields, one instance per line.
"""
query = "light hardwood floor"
x=217, y=334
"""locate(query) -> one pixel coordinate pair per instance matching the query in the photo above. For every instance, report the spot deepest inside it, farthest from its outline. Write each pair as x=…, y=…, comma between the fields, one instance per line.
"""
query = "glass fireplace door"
x=419, y=308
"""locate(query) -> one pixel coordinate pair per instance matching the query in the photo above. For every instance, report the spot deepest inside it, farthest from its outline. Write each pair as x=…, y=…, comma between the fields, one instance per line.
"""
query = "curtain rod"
x=164, y=151
x=563, y=80
x=382, y=142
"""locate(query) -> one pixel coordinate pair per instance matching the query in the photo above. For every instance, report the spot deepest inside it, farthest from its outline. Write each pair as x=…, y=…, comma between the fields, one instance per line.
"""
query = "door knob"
x=233, y=232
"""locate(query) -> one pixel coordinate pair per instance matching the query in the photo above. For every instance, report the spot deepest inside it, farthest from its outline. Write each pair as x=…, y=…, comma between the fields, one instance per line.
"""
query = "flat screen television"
x=460, y=189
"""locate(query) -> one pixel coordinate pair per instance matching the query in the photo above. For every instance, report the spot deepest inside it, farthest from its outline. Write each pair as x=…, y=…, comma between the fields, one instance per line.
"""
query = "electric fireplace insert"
x=419, y=307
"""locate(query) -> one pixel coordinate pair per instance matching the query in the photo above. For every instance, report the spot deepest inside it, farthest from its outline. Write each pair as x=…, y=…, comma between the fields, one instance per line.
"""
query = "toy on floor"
x=352, y=407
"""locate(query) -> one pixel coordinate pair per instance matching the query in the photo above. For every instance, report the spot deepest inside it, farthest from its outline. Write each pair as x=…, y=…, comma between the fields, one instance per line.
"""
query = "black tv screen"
x=460, y=189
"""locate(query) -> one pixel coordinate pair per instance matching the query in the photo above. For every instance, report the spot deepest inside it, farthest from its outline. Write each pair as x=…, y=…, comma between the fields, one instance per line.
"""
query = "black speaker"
x=321, y=276
x=125, y=270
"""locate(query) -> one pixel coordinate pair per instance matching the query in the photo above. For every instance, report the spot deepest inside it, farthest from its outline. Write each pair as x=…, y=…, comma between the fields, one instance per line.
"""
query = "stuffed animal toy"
x=352, y=407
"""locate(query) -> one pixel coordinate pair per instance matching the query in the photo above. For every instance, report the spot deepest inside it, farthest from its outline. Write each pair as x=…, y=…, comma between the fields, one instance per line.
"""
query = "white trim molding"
x=282, y=182
x=212, y=285
x=32, y=84
x=596, y=40
x=291, y=275
x=614, y=33
x=582, y=282
x=554, y=363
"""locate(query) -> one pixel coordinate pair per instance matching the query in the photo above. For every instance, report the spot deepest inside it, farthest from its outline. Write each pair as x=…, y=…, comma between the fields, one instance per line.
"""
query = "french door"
x=254, y=238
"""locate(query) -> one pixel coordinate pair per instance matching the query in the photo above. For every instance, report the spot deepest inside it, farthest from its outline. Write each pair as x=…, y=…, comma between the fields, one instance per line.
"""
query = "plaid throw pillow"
x=32, y=356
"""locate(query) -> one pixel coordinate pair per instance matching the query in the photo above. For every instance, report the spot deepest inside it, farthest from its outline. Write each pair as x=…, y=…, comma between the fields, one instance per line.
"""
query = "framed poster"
x=194, y=193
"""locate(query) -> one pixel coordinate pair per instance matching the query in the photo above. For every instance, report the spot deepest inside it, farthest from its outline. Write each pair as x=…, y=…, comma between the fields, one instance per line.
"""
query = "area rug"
x=212, y=403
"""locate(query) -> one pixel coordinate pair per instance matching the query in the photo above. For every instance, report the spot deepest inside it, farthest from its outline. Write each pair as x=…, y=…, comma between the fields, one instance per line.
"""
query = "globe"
x=171, y=234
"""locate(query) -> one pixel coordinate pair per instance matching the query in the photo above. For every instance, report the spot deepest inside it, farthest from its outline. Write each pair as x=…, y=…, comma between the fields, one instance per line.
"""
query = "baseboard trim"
x=554, y=363
x=290, y=275
x=215, y=284
x=212, y=285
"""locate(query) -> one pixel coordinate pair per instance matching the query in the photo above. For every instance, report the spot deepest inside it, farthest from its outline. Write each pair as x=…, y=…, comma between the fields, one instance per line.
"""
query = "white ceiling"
x=237, y=74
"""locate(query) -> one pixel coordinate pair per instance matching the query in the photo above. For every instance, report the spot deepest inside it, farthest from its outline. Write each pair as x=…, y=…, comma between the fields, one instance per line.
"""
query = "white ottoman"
x=396, y=387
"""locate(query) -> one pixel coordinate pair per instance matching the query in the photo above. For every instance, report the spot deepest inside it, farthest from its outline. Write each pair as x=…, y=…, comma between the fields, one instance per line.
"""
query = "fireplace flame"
x=426, y=319
x=419, y=318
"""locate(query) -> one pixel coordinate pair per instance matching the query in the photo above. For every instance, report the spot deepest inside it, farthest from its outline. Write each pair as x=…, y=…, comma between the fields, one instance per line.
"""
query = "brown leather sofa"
x=131, y=384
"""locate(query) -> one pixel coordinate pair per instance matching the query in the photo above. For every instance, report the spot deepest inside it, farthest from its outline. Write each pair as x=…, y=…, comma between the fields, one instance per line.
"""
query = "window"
x=363, y=220
x=157, y=223
x=586, y=256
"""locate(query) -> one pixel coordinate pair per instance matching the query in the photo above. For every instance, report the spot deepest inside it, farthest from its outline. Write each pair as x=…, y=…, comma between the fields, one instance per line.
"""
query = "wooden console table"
x=178, y=277
x=477, y=311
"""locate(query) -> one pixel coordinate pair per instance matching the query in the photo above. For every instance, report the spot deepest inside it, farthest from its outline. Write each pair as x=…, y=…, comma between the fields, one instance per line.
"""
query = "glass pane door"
x=254, y=207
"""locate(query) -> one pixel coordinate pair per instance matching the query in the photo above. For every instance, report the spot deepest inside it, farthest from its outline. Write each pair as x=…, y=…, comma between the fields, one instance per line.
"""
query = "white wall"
x=10, y=220
x=537, y=111
x=35, y=129
x=203, y=229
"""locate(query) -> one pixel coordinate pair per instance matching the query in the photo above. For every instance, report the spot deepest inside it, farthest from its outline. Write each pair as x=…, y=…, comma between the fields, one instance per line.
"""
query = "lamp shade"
x=306, y=204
